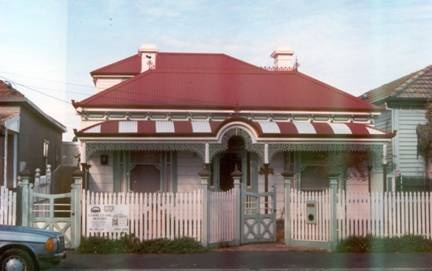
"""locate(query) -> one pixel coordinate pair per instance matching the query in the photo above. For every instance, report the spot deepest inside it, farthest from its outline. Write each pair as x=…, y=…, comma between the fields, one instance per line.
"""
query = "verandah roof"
x=211, y=128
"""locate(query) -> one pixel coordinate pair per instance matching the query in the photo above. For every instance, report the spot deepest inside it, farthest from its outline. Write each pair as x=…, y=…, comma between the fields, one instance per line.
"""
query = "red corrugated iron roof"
x=217, y=81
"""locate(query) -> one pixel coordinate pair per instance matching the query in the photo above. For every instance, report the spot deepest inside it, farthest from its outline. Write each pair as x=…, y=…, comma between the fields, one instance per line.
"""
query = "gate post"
x=204, y=174
x=333, y=217
x=26, y=205
x=287, y=221
x=76, y=188
x=236, y=174
x=48, y=179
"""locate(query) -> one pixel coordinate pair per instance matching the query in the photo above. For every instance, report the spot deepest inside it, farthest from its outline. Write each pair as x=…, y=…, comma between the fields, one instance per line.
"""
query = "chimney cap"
x=148, y=48
x=282, y=51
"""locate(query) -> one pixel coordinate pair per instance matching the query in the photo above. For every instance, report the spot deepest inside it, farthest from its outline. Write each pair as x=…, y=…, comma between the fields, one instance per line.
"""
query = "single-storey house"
x=157, y=118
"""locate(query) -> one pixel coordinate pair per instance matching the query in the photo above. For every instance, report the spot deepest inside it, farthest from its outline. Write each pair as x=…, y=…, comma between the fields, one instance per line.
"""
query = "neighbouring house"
x=30, y=138
x=157, y=118
x=404, y=101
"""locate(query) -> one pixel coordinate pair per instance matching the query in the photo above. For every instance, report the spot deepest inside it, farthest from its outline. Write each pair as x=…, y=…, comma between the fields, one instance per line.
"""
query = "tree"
x=424, y=143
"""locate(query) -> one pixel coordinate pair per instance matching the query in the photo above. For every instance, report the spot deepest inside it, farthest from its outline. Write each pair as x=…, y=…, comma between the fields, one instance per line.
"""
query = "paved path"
x=241, y=260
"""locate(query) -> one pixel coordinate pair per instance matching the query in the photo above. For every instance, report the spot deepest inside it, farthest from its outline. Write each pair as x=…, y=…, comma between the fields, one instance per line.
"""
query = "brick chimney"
x=148, y=53
x=284, y=59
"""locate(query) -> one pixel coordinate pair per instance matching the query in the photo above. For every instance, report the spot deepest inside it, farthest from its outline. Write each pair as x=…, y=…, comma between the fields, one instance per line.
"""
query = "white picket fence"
x=301, y=228
x=8, y=201
x=387, y=214
x=151, y=215
x=221, y=206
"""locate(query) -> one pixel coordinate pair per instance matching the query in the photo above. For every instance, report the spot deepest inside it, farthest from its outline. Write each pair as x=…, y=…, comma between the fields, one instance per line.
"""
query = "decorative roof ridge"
x=179, y=71
x=129, y=58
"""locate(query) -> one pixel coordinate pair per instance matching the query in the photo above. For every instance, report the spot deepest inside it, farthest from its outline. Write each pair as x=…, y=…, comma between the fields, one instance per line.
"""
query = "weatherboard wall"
x=405, y=142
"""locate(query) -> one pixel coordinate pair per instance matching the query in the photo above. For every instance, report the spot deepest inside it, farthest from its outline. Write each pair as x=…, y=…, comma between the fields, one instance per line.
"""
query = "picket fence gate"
x=8, y=199
x=151, y=215
x=222, y=214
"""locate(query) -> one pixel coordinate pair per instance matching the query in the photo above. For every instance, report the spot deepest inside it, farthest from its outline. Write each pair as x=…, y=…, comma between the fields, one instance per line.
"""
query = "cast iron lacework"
x=91, y=148
x=319, y=147
x=216, y=148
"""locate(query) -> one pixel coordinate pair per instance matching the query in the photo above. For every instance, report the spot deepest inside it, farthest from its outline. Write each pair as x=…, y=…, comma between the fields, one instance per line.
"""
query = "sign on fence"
x=107, y=218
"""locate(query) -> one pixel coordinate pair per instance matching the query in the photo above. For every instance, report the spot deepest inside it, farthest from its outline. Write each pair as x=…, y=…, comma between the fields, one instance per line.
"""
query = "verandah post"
x=204, y=174
x=333, y=215
x=287, y=217
x=24, y=197
x=76, y=188
x=236, y=175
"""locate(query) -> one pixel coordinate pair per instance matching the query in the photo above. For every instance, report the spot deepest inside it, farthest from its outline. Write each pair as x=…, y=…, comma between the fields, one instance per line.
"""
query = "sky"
x=48, y=48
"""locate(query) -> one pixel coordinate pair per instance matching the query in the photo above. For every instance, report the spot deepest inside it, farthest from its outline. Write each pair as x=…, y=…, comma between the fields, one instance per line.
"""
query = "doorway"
x=233, y=157
x=145, y=178
x=227, y=164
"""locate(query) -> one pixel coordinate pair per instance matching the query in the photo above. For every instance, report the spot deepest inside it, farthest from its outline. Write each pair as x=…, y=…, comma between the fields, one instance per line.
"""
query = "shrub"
x=131, y=244
x=407, y=243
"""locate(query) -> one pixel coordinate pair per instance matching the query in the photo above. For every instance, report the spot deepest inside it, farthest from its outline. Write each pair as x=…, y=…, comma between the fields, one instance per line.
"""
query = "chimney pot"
x=148, y=53
x=284, y=58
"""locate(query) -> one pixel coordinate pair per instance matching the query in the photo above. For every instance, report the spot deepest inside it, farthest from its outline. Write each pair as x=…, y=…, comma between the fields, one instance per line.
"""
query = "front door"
x=145, y=178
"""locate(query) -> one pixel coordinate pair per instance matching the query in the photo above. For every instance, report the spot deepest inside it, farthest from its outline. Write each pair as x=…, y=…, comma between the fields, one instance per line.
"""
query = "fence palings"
x=8, y=201
x=384, y=214
x=151, y=215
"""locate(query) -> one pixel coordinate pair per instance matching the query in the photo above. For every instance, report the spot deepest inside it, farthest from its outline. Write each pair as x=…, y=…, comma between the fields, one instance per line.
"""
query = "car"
x=25, y=249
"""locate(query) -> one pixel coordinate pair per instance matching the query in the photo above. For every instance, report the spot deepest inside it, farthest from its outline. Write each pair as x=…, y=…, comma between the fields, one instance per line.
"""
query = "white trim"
x=13, y=123
x=128, y=126
x=240, y=125
x=15, y=159
x=97, y=76
x=304, y=127
x=266, y=154
x=268, y=112
x=94, y=129
x=201, y=126
x=217, y=140
x=82, y=149
x=269, y=127
x=164, y=126
x=340, y=129
x=85, y=109
x=372, y=131
x=5, y=157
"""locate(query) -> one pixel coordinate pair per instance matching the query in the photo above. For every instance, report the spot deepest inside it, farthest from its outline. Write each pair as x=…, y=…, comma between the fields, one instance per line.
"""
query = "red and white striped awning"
x=191, y=128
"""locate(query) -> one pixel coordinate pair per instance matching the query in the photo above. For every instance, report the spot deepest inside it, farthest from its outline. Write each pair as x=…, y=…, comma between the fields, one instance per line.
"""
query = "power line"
x=50, y=80
x=50, y=89
x=35, y=90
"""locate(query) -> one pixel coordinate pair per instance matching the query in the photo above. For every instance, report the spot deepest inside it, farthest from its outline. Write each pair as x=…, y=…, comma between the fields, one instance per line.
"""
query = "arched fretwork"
x=197, y=148
x=216, y=148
